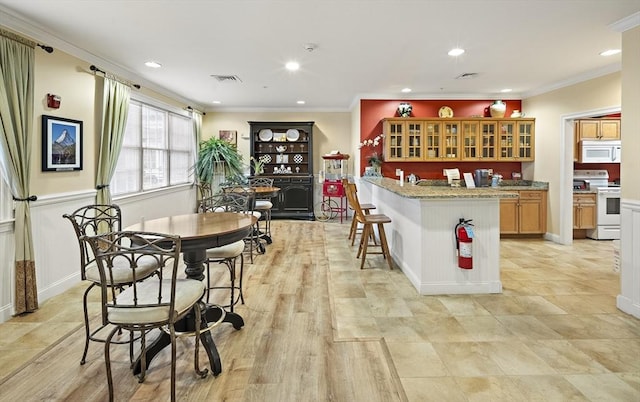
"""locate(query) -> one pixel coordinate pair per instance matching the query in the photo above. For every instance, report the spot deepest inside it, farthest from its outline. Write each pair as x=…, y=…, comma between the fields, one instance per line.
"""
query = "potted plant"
x=216, y=156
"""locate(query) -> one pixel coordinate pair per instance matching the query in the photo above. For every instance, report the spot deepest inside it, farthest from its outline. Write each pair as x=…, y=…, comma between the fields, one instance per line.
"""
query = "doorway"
x=566, y=177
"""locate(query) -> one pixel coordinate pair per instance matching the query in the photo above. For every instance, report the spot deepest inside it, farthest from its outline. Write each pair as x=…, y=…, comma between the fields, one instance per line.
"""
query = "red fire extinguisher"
x=464, y=239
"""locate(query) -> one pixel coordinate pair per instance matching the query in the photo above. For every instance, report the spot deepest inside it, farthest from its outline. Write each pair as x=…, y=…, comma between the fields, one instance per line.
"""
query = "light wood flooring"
x=320, y=329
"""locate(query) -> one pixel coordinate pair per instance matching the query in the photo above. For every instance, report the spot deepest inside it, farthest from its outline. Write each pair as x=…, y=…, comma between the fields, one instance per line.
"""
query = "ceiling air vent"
x=466, y=76
x=226, y=78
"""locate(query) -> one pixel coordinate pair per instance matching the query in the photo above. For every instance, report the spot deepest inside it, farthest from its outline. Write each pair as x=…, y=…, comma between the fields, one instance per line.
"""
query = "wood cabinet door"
x=451, y=140
x=394, y=141
x=509, y=216
x=525, y=141
x=507, y=140
x=588, y=129
x=610, y=129
x=470, y=140
x=414, y=141
x=432, y=133
x=488, y=140
x=530, y=215
x=584, y=211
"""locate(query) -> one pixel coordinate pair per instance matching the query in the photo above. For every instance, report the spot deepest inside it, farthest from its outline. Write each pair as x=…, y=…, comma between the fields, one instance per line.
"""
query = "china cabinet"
x=284, y=150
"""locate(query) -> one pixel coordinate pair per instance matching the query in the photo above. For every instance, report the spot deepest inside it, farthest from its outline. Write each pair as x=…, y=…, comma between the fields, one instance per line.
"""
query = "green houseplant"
x=215, y=154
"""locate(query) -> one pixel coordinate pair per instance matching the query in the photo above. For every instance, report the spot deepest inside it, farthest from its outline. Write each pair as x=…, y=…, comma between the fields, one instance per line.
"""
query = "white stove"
x=607, y=203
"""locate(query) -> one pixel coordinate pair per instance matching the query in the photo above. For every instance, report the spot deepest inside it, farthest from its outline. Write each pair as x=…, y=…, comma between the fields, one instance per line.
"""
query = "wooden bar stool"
x=368, y=221
x=355, y=229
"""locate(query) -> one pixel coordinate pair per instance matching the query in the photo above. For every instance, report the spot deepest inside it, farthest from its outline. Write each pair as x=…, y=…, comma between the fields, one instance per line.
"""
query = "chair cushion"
x=122, y=272
x=228, y=251
x=188, y=292
x=263, y=204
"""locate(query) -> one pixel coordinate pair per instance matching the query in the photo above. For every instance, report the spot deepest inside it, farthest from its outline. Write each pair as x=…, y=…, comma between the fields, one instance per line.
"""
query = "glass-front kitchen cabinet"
x=403, y=140
x=414, y=139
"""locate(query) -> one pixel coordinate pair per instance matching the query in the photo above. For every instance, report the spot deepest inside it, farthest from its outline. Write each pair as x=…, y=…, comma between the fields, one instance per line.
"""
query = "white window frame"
x=169, y=148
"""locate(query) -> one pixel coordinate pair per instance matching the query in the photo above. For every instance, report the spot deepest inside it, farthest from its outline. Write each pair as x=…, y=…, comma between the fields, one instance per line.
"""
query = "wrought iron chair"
x=228, y=254
x=263, y=205
x=157, y=303
x=91, y=220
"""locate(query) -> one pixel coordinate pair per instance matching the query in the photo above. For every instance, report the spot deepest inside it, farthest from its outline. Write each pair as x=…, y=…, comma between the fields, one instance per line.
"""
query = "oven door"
x=608, y=206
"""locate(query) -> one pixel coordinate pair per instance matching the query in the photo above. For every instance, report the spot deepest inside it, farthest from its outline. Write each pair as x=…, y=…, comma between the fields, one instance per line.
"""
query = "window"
x=158, y=150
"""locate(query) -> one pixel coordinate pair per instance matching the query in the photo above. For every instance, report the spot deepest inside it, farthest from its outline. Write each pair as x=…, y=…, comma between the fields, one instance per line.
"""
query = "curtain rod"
x=17, y=38
x=120, y=80
x=189, y=108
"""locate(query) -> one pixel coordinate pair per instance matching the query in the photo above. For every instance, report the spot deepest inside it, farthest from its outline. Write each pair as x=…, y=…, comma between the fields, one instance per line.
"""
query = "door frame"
x=566, y=168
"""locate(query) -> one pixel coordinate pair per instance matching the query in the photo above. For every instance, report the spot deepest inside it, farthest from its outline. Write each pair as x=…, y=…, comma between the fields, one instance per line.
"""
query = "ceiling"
x=364, y=48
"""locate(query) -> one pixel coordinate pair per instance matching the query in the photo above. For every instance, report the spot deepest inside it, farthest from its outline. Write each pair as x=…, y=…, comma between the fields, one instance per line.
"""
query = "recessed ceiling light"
x=506, y=90
x=406, y=90
x=153, y=64
x=610, y=52
x=455, y=52
x=217, y=102
x=300, y=102
x=292, y=66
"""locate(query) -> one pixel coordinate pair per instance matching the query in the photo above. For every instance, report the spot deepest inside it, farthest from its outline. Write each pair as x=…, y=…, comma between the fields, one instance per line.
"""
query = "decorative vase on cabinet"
x=498, y=109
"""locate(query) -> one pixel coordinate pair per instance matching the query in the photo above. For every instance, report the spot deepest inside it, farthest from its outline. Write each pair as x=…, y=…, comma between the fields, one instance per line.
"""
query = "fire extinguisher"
x=464, y=239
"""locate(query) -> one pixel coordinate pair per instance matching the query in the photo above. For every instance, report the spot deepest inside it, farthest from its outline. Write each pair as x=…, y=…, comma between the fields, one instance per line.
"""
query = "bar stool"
x=368, y=221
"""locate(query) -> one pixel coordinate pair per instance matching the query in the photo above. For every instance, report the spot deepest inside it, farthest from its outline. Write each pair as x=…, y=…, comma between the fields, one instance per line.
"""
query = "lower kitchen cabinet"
x=526, y=214
x=295, y=199
x=584, y=211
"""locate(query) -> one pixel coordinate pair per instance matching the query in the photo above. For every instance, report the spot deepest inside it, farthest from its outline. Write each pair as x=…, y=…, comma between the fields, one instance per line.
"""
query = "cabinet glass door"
x=470, y=140
x=414, y=141
x=525, y=140
x=507, y=139
x=451, y=140
x=488, y=132
x=432, y=140
x=394, y=141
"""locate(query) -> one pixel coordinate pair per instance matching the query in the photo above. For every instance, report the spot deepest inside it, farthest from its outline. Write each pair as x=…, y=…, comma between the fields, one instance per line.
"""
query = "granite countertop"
x=434, y=190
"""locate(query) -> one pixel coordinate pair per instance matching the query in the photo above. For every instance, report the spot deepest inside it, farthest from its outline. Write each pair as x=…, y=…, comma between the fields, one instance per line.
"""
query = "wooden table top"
x=260, y=190
x=197, y=226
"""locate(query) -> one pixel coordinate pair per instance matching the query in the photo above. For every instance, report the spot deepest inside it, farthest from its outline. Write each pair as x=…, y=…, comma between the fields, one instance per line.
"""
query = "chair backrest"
x=128, y=248
x=92, y=220
x=261, y=182
x=351, y=191
x=228, y=201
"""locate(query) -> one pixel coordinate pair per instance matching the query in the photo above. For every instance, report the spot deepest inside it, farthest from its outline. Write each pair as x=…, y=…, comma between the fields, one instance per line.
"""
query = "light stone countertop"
x=440, y=191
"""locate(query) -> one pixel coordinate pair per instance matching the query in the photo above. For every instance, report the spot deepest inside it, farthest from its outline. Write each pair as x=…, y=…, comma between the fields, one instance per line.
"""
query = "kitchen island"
x=421, y=235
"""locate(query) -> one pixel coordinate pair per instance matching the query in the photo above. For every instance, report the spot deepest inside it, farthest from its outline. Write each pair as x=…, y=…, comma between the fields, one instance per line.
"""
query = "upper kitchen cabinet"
x=516, y=139
x=597, y=129
x=471, y=139
x=404, y=140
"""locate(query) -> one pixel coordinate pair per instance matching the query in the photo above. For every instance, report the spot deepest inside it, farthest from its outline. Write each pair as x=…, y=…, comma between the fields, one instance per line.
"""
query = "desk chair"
x=91, y=220
x=368, y=222
x=157, y=303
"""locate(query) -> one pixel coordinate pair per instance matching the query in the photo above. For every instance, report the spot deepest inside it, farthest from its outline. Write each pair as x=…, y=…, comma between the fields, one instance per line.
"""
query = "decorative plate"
x=265, y=134
x=293, y=134
x=266, y=158
x=445, y=111
x=297, y=158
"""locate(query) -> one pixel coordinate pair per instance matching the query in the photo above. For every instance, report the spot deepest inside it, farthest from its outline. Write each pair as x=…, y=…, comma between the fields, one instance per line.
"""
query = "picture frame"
x=61, y=144
x=231, y=136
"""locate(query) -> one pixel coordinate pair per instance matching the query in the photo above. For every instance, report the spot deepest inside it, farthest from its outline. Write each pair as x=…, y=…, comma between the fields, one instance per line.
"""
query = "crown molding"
x=610, y=69
x=626, y=23
x=35, y=32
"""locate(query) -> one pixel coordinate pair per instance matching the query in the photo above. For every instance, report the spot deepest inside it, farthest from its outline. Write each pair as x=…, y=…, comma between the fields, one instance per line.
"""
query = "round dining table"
x=199, y=232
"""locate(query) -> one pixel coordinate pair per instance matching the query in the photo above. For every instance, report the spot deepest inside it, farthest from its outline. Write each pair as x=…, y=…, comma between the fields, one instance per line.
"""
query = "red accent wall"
x=612, y=168
x=373, y=111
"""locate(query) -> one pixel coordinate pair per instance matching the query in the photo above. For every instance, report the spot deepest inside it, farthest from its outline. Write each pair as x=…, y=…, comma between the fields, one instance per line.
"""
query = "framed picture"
x=61, y=144
x=229, y=135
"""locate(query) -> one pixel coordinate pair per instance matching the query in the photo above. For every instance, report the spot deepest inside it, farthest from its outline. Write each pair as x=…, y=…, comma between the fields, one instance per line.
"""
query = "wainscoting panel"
x=55, y=244
x=629, y=298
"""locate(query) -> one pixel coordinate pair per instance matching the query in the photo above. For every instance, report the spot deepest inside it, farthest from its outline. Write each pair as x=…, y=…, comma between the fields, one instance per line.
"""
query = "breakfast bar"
x=422, y=239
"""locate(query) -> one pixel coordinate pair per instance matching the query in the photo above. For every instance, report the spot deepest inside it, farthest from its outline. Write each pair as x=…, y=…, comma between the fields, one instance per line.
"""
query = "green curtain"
x=16, y=133
x=115, y=108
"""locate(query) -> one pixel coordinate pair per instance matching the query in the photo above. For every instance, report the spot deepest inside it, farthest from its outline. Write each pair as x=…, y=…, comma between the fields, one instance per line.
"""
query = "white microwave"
x=599, y=151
